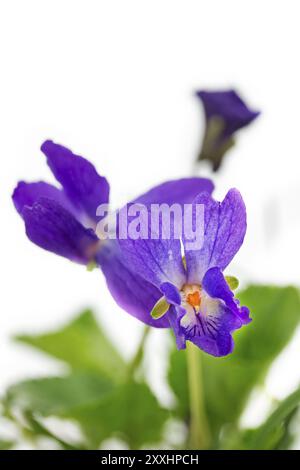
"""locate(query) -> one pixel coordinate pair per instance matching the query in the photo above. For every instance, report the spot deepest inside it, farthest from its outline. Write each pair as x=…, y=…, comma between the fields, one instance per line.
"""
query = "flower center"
x=194, y=299
x=191, y=294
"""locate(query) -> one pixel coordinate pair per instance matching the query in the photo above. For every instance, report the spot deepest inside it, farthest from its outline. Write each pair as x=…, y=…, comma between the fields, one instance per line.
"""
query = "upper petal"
x=53, y=228
x=85, y=188
x=181, y=191
x=130, y=291
x=223, y=234
x=26, y=194
x=229, y=106
x=154, y=255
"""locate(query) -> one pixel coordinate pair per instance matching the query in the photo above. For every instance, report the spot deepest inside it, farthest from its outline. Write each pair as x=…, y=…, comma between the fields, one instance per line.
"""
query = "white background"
x=114, y=81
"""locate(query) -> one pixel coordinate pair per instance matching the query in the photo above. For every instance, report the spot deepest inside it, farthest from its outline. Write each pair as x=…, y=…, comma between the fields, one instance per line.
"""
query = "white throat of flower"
x=195, y=301
x=191, y=299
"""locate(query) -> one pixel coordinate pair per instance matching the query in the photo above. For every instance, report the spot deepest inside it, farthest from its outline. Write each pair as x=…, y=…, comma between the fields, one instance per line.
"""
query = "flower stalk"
x=137, y=358
x=199, y=433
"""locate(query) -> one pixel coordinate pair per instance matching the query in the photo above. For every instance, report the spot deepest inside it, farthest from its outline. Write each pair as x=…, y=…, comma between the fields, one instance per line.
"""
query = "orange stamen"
x=194, y=299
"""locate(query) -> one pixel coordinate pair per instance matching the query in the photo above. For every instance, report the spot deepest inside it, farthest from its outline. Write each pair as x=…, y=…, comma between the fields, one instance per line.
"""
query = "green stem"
x=137, y=358
x=199, y=437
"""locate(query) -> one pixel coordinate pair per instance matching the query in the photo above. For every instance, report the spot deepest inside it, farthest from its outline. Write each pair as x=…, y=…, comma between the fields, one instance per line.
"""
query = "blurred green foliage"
x=228, y=381
x=58, y=395
x=6, y=445
x=98, y=394
x=82, y=345
x=105, y=397
x=130, y=412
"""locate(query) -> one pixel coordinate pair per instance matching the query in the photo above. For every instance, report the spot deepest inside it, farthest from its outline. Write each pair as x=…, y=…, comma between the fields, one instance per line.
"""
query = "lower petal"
x=212, y=334
x=210, y=331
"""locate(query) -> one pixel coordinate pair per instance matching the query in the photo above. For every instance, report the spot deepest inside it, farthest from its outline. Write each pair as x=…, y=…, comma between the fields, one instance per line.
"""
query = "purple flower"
x=63, y=220
x=194, y=296
x=225, y=113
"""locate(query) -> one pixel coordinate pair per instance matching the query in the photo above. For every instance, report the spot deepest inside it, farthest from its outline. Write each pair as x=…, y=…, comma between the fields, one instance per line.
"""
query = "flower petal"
x=53, y=228
x=230, y=107
x=216, y=287
x=181, y=191
x=171, y=293
x=26, y=194
x=156, y=258
x=130, y=291
x=211, y=329
x=224, y=230
x=216, y=342
x=174, y=315
x=85, y=188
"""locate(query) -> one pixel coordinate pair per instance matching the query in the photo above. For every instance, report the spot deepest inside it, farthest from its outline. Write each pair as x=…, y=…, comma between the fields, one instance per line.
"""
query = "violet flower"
x=195, y=297
x=63, y=220
x=225, y=113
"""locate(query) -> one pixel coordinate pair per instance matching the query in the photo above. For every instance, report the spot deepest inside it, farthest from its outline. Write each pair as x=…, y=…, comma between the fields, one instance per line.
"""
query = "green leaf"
x=130, y=412
x=6, y=445
x=229, y=381
x=56, y=395
x=287, y=431
x=269, y=434
x=82, y=345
